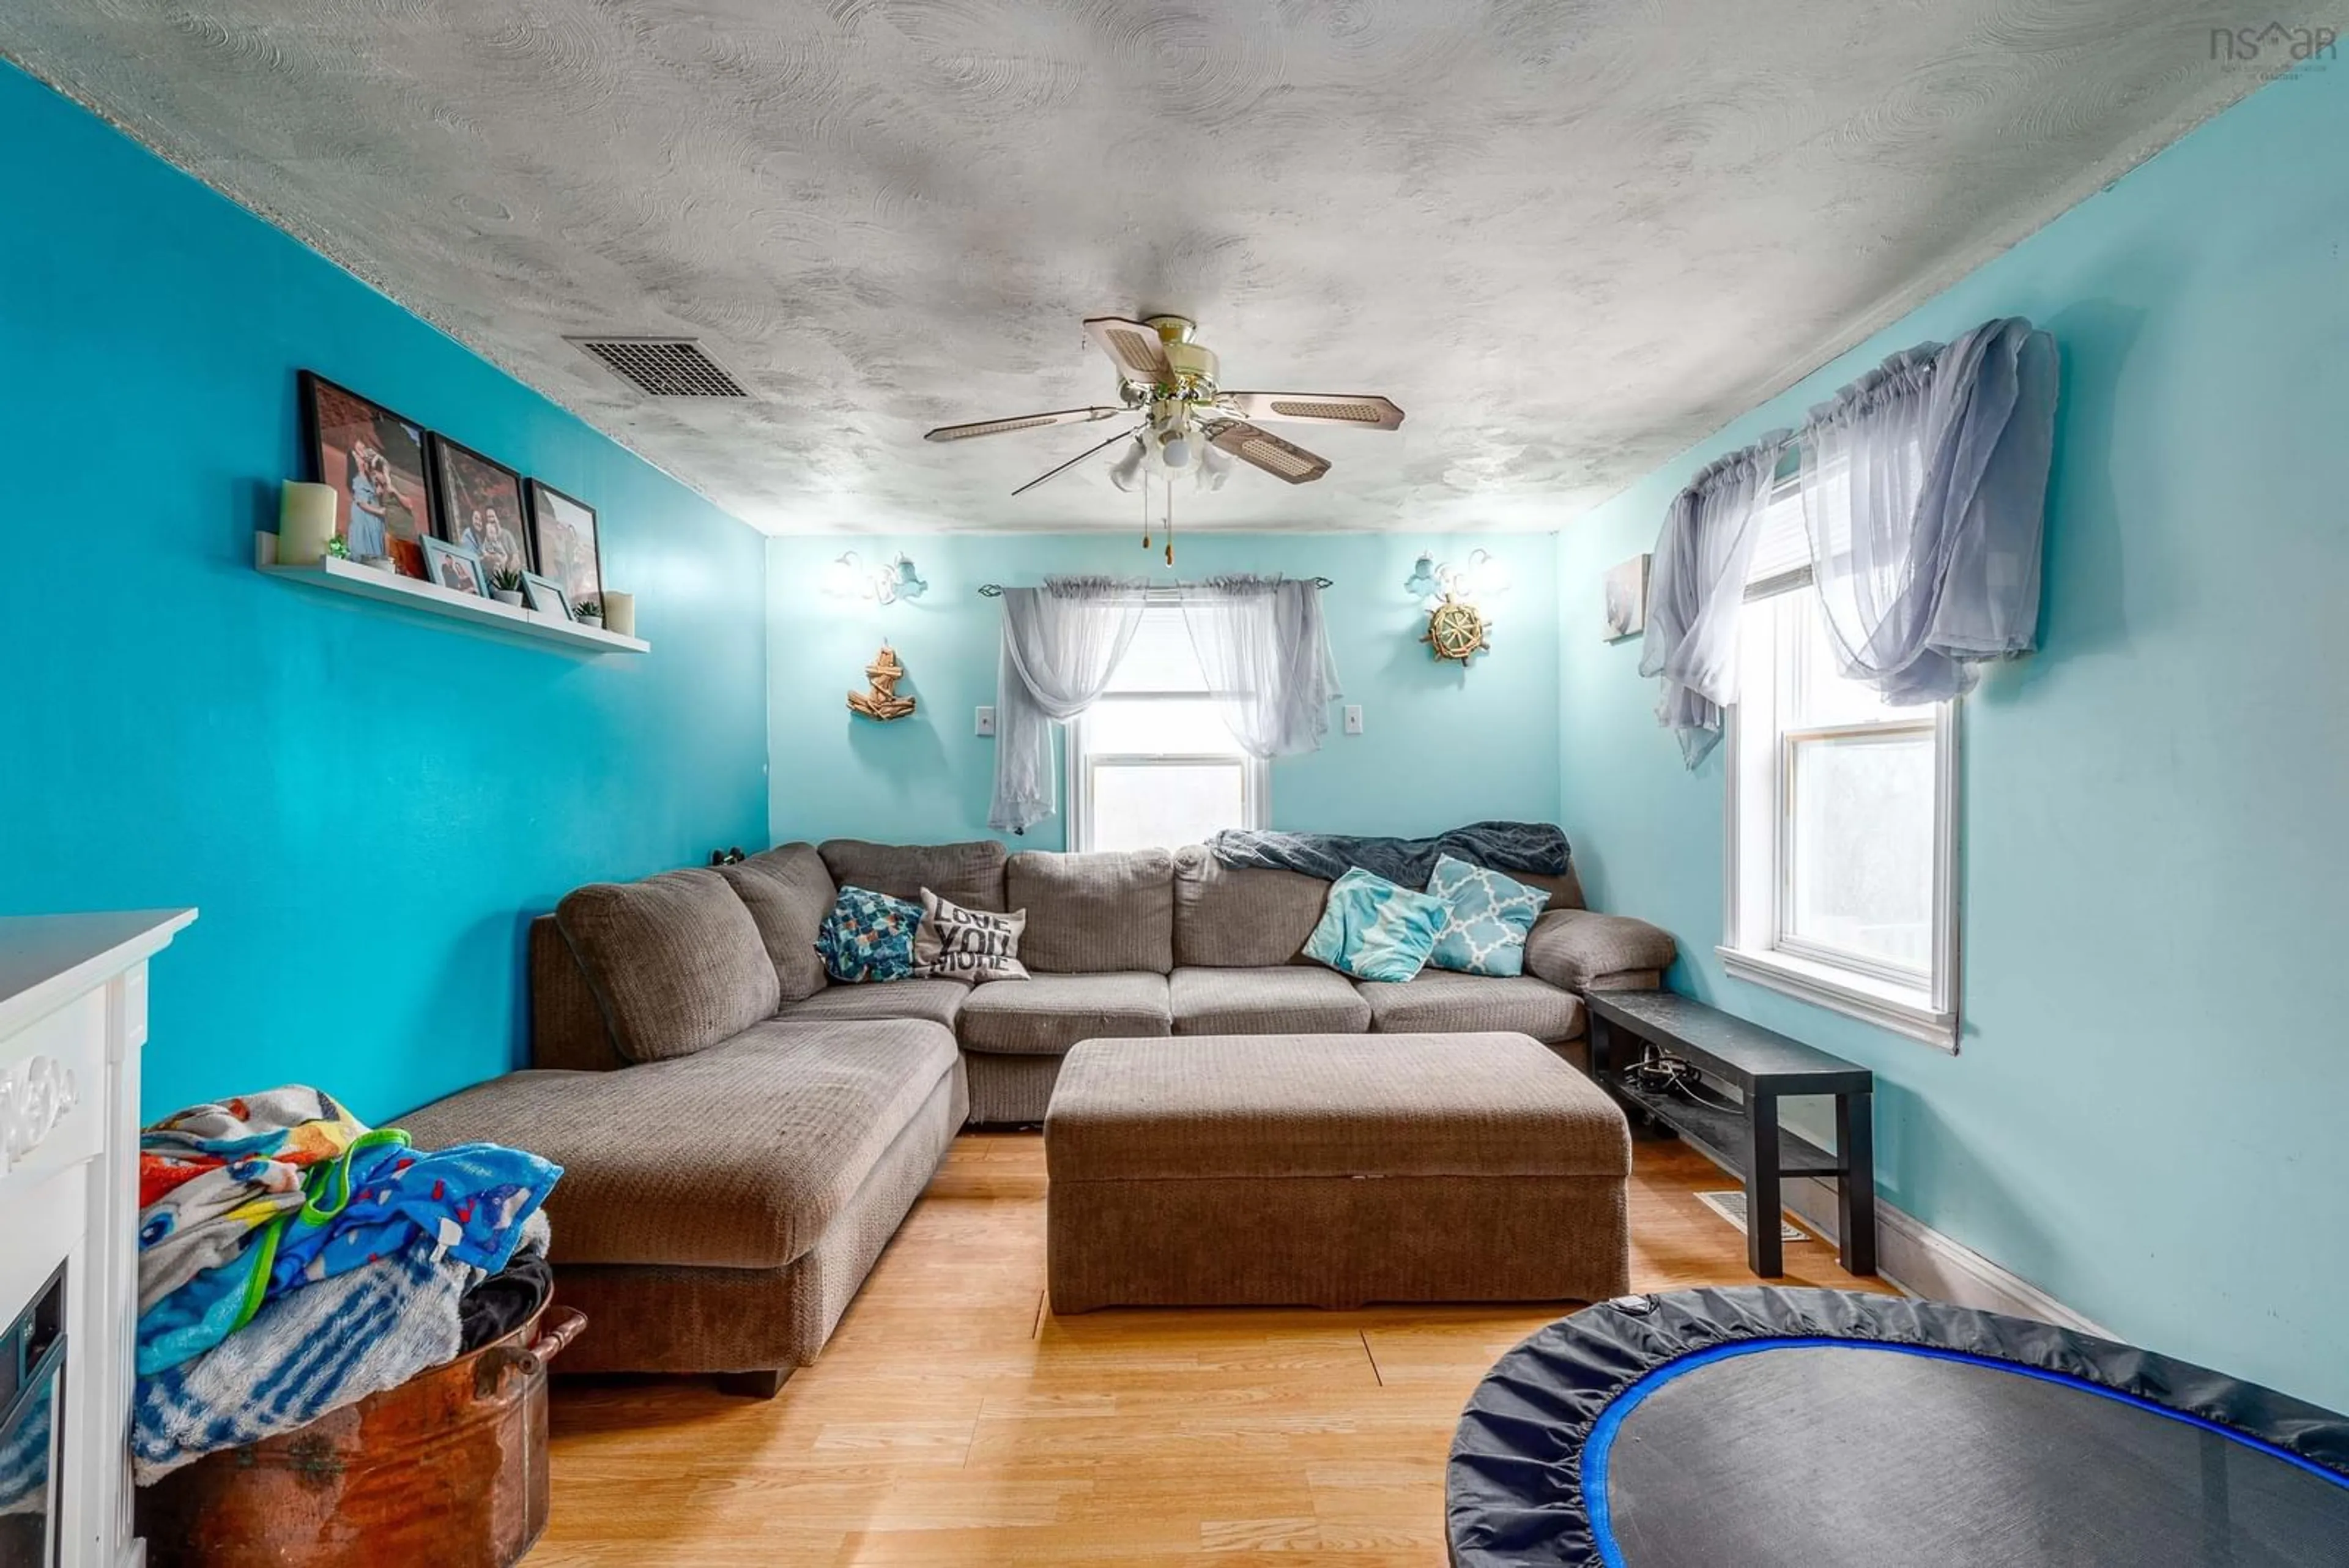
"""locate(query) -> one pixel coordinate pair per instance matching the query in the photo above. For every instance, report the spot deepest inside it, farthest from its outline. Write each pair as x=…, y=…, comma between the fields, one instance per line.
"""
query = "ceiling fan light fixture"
x=1127, y=472
x=1214, y=466
x=1190, y=428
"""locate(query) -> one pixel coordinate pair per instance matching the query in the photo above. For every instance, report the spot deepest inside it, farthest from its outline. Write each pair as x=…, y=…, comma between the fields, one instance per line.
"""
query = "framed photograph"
x=1627, y=599
x=480, y=505
x=375, y=460
x=456, y=568
x=545, y=596
x=563, y=532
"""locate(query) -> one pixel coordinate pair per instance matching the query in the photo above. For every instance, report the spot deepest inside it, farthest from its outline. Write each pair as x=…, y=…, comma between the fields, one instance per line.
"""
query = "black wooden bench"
x=1763, y=1067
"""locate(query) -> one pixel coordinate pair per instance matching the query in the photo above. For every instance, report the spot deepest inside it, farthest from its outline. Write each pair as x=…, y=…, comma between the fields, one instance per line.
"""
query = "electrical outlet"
x=1353, y=718
x=986, y=724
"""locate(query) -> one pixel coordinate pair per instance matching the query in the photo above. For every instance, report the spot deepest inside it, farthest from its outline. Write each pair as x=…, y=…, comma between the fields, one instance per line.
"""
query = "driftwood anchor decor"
x=882, y=702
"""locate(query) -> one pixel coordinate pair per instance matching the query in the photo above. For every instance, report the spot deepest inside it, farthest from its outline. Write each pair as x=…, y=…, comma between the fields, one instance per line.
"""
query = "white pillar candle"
x=620, y=613
x=306, y=521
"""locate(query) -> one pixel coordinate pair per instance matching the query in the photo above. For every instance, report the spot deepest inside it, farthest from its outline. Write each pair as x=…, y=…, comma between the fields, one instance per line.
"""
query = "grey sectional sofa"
x=740, y=1138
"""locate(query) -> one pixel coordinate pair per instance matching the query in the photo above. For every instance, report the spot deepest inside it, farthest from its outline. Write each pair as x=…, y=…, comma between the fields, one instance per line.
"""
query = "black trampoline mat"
x=1862, y=1454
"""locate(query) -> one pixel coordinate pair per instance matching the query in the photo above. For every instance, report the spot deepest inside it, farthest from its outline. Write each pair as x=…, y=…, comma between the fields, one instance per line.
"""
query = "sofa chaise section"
x=730, y=1175
x=717, y=1211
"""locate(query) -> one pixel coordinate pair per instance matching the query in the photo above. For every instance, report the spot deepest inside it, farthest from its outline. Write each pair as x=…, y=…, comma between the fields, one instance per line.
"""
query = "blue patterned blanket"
x=1538, y=847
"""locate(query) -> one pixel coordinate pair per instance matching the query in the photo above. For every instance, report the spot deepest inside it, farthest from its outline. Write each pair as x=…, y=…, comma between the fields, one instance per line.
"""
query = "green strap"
x=332, y=1180
x=256, y=1284
x=326, y=1194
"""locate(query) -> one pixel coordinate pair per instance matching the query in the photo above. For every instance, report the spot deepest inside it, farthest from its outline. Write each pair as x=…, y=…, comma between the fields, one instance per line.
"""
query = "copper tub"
x=447, y=1471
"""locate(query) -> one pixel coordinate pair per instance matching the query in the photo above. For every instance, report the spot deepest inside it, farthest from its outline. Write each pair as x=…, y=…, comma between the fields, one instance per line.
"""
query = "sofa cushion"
x=1288, y=999
x=788, y=893
x=1585, y=950
x=1095, y=914
x=971, y=873
x=935, y=1001
x=1241, y=916
x=1485, y=933
x=1047, y=1013
x=1439, y=1002
x=738, y=1156
x=1376, y=929
x=674, y=961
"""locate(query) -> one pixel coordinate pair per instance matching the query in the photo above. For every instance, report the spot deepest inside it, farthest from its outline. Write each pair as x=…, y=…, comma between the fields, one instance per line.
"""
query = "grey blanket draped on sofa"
x=1538, y=847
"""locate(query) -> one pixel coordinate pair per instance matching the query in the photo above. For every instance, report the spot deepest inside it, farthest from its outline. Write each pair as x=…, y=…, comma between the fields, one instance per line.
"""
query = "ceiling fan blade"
x=1361, y=410
x=1024, y=423
x=1133, y=347
x=1280, y=459
x=1054, y=472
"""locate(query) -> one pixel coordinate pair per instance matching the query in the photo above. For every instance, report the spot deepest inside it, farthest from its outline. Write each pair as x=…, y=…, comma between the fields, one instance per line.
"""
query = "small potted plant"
x=505, y=585
x=589, y=612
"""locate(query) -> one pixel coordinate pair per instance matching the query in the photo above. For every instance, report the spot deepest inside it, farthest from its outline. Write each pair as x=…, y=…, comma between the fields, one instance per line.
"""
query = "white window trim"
x=1924, y=1009
x=1255, y=774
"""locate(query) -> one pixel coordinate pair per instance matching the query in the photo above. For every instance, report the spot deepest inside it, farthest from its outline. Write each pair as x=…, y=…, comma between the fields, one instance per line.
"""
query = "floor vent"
x=664, y=367
x=1730, y=1206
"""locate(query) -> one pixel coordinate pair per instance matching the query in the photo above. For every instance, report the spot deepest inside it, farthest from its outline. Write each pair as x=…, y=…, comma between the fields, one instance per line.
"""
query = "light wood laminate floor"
x=954, y=1420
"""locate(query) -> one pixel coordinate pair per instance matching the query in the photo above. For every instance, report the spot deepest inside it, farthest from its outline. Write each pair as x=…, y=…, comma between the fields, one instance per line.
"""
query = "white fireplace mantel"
x=73, y=1017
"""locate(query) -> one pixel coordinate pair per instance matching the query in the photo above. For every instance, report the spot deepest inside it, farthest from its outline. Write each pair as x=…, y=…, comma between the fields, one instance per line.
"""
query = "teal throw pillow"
x=1373, y=929
x=868, y=935
x=1490, y=915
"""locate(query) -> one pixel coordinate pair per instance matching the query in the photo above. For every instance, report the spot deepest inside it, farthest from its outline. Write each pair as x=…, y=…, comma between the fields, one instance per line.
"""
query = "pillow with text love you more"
x=968, y=945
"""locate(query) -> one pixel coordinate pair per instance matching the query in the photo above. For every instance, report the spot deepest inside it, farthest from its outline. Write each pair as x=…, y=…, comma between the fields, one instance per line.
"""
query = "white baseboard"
x=1925, y=1263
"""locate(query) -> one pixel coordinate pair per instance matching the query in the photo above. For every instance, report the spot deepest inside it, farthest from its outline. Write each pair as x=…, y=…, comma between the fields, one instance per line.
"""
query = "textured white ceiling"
x=1568, y=238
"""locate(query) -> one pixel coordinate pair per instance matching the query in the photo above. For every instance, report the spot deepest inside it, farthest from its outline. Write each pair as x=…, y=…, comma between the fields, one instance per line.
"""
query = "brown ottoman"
x=1332, y=1170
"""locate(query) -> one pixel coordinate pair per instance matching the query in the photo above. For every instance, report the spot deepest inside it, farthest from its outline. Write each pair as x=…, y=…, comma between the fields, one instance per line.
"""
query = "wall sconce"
x=850, y=578
x=1483, y=578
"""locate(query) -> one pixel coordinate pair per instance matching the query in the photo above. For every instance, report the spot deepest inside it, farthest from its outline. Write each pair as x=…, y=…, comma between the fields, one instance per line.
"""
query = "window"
x=1841, y=875
x=1151, y=765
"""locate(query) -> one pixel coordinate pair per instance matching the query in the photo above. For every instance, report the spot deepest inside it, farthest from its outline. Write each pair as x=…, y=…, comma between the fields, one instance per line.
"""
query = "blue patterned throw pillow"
x=868, y=935
x=1490, y=915
x=1373, y=929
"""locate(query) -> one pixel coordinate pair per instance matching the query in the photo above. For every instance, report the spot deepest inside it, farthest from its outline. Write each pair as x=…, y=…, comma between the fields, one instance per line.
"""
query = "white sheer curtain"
x=1695, y=587
x=1264, y=647
x=1061, y=644
x=1924, y=489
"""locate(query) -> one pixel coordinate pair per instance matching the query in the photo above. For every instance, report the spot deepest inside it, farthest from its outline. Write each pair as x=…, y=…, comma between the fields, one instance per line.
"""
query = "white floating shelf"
x=349, y=578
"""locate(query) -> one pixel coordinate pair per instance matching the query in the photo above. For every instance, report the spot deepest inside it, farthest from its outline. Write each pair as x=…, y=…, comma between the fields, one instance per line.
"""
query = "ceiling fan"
x=1189, y=427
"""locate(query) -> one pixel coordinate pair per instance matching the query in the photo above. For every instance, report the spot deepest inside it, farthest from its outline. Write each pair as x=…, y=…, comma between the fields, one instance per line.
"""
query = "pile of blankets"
x=292, y=1260
x=1537, y=847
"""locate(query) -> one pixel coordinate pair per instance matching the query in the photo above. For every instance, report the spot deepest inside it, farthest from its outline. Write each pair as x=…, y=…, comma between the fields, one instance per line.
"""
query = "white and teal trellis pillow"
x=1373, y=929
x=1490, y=915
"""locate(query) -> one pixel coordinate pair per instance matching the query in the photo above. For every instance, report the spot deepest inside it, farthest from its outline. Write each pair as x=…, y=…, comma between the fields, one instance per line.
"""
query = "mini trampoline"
x=1795, y=1428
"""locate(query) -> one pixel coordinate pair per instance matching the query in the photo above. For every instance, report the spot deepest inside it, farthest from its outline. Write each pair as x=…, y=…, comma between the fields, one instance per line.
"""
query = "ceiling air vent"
x=664, y=367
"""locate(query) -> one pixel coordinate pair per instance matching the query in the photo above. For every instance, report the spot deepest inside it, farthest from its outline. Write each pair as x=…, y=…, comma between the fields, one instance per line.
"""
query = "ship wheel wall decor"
x=1456, y=630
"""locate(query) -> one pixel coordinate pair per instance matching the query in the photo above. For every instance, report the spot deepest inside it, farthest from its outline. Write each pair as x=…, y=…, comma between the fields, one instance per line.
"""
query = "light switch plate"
x=986, y=724
x=1353, y=718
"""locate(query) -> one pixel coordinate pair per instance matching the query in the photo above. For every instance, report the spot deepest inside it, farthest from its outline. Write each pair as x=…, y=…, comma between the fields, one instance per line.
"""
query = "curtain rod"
x=995, y=590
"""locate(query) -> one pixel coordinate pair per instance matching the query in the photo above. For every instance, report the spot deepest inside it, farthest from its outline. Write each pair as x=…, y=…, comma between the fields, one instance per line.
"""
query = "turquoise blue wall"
x=2146, y=1117
x=366, y=804
x=1441, y=745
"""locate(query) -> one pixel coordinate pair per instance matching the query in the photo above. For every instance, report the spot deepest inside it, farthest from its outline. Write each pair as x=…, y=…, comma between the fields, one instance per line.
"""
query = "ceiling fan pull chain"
x=1170, y=521
x=1145, y=488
